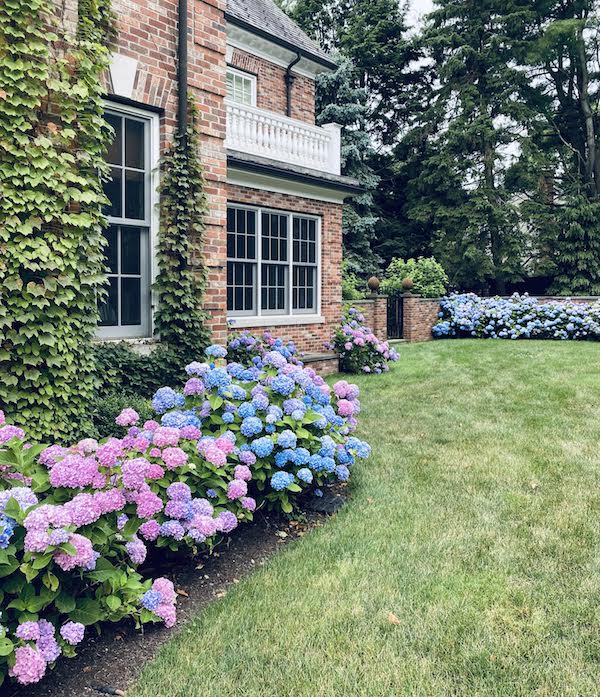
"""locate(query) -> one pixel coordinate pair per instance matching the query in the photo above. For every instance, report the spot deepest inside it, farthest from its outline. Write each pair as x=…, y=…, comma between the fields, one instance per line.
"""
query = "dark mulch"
x=108, y=664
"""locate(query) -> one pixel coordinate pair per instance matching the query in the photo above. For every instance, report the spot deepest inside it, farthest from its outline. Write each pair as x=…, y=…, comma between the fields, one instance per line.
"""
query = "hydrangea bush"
x=247, y=348
x=359, y=349
x=517, y=317
x=77, y=523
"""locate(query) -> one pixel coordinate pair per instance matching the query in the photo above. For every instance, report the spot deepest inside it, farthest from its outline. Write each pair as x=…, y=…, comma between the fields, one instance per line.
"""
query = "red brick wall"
x=419, y=316
x=374, y=310
x=147, y=32
x=270, y=87
x=309, y=337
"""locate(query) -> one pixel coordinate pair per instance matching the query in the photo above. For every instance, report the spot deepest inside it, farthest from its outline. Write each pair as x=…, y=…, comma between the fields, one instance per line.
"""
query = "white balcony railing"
x=258, y=132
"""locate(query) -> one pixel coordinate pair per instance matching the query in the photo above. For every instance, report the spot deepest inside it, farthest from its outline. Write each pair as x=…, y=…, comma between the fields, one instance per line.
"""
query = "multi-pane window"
x=272, y=262
x=241, y=87
x=126, y=309
x=304, y=258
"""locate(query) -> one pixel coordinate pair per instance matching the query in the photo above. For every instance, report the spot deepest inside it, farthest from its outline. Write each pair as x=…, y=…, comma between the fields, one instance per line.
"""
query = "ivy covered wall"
x=53, y=138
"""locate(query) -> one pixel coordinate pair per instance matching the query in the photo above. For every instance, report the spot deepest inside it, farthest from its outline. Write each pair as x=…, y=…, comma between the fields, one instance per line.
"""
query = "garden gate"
x=395, y=306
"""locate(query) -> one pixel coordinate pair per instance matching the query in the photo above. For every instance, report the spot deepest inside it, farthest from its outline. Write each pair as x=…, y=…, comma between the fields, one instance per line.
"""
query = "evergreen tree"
x=474, y=117
x=366, y=95
x=340, y=100
x=559, y=44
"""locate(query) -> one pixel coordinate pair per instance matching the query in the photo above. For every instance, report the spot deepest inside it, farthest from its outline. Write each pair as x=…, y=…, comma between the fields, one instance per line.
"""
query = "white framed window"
x=126, y=312
x=273, y=263
x=241, y=87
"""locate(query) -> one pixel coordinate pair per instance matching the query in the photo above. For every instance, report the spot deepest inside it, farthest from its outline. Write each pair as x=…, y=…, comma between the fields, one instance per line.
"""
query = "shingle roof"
x=266, y=17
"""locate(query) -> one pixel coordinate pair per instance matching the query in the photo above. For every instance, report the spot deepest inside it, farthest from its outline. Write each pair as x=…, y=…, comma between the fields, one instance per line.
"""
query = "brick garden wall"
x=374, y=310
x=419, y=316
x=309, y=337
x=271, y=92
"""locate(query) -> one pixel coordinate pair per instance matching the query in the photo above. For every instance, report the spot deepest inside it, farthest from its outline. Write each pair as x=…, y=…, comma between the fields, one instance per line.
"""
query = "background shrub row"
x=517, y=317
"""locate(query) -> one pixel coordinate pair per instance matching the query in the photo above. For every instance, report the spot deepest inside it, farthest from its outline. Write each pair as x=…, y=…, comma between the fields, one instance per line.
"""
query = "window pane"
x=273, y=287
x=131, y=301
x=304, y=288
x=115, y=154
x=230, y=298
x=112, y=189
x=230, y=245
x=110, y=250
x=109, y=308
x=130, y=250
x=134, y=195
x=134, y=144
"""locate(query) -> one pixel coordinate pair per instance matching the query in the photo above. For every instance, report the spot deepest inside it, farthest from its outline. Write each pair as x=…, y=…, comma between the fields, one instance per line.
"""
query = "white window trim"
x=253, y=84
x=260, y=319
x=152, y=214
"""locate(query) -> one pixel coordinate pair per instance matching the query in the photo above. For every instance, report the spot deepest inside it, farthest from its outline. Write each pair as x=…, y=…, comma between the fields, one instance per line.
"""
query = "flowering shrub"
x=517, y=317
x=359, y=349
x=246, y=348
x=77, y=522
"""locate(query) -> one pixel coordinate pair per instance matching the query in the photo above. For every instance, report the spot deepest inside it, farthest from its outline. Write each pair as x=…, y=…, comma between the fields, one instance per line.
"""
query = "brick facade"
x=309, y=337
x=271, y=93
x=147, y=31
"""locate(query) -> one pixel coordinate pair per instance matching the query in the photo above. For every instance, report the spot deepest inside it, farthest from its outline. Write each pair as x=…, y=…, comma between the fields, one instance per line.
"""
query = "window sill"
x=273, y=320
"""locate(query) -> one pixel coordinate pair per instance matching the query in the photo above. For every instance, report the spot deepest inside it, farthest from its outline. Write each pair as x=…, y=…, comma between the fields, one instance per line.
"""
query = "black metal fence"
x=395, y=307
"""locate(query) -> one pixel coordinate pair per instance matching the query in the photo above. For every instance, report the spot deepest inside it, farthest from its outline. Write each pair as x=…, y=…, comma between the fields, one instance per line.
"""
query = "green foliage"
x=181, y=282
x=51, y=263
x=106, y=409
x=352, y=286
x=428, y=276
x=119, y=368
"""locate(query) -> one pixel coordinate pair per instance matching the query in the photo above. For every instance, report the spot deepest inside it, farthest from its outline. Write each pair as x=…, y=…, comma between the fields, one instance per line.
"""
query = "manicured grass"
x=476, y=522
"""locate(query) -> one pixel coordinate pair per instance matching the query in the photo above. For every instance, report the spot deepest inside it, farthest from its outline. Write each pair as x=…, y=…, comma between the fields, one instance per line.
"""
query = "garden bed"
x=108, y=663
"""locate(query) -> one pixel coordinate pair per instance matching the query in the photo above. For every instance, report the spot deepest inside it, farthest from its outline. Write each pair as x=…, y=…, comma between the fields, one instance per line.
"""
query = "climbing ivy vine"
x=52, y=137
x=181, y=282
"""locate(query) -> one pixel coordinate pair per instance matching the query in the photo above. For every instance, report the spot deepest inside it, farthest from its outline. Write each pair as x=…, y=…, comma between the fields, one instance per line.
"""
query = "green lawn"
x=476, y=522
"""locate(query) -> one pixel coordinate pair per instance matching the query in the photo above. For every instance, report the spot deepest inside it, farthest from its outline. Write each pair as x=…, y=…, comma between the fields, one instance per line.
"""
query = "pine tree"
x=474, y=116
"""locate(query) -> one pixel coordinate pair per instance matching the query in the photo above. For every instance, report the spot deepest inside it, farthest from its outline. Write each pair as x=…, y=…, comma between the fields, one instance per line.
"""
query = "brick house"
x=274, y=239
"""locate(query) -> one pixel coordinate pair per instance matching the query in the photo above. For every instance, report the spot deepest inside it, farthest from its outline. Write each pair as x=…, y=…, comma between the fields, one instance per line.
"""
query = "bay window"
x=272, y=262
x=125, y=310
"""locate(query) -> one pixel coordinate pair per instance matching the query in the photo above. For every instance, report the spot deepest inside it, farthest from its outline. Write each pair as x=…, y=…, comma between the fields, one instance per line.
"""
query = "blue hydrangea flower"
x=301, y=457
x=251, y=426
x=246, y=409
x=287, y=439
x=216, y=351
x=151, y=600
x=283, y=385
x=166, y=398
x=7, y=525
x=228, y=417
x=305, y=475
x=217, y=377
x=342, y=472
x=281, y=480
x=262, y=447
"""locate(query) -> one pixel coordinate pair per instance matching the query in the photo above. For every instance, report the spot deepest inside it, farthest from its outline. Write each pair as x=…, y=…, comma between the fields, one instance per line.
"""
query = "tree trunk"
x=592, y=177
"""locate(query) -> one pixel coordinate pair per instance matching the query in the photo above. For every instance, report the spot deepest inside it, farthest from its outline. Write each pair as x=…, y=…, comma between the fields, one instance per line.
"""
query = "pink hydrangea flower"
x=174, y=457
x=128, y=417
x=29, y=667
